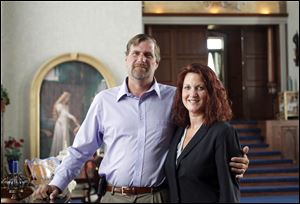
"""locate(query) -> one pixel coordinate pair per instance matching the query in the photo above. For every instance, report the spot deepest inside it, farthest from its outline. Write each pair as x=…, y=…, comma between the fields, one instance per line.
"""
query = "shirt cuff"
x=59, y=182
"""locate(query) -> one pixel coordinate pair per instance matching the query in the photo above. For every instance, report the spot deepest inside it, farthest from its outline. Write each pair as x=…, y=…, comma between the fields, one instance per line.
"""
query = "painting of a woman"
x=63, y=118
x=66, y=93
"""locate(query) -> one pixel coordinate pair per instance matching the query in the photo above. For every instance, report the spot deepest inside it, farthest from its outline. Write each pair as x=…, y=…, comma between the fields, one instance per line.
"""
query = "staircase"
x=268, y=173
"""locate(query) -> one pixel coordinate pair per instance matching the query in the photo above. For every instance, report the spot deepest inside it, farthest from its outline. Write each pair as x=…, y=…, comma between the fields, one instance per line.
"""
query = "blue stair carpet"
x=250, y=137
x=274, y=180
x=257, y=189
x=254, y=130
x=272, y=170
x=270, y=179
x=248, y=122
x=265, y=153
x=271, y=199
x=258, y=145
x=271, y=161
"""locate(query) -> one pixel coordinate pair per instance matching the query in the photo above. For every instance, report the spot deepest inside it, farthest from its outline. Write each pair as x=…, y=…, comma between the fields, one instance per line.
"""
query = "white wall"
x=34, y=32
x=293, y=27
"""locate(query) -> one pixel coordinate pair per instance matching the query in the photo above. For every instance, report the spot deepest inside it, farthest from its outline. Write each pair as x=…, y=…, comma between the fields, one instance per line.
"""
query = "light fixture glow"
x=265, y=11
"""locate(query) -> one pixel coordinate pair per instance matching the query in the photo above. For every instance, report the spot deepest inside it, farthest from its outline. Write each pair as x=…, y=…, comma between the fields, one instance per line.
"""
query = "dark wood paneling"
x=255, y=40
x=164, y=71
x=180, y=45
x=282, y=135
x=256, y=100
x=256, y=72
x=164, y=36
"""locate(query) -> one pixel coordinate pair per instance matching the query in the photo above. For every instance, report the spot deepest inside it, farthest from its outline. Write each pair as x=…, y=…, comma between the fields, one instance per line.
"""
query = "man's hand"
x=239, y=165
x=46, y=191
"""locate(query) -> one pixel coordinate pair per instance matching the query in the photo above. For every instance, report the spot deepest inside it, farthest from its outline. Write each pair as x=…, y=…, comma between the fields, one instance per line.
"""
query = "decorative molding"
x=217, y=14
x=214, y=7
x=216, y=19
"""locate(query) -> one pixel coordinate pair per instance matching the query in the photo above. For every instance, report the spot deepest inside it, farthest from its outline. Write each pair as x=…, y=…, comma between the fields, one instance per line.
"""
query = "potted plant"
x=13, y=153
x=4, y=98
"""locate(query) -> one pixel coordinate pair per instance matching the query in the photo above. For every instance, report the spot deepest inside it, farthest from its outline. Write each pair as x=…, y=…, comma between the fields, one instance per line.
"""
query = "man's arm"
x=239, y=165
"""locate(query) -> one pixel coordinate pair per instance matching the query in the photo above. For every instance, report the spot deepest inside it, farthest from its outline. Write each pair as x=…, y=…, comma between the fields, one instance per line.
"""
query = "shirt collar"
x=125, y=92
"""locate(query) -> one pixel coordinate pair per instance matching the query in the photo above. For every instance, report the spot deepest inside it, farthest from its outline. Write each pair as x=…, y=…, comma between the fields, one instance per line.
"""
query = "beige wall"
x=34, y=32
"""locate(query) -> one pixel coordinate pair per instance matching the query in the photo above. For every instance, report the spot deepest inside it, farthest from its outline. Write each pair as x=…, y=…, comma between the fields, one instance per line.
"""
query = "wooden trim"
x=280, y=134
x=218, y=15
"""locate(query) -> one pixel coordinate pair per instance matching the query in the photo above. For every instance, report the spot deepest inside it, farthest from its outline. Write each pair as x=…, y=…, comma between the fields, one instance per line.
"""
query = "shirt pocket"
x=160, y=132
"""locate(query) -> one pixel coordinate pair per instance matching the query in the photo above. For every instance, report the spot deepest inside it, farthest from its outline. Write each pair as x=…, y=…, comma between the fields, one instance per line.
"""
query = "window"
x=215, y=47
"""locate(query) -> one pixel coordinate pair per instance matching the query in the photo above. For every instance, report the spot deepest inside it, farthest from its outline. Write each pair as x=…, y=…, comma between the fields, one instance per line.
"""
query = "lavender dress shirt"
x=135, y=133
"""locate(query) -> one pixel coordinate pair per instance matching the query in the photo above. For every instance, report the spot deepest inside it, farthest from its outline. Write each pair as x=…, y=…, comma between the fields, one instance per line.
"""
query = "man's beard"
x=140, y=71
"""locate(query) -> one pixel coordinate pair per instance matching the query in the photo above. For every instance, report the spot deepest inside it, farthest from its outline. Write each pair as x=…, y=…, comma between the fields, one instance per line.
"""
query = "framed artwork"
x=288, y=104
x=292, y=104
x=61, y=93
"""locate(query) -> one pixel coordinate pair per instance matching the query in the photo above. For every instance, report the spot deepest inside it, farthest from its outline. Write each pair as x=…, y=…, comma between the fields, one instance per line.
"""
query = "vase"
x=13, y=166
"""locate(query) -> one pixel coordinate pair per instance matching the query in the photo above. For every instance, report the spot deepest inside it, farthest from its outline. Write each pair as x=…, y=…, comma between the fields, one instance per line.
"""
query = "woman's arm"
x=227, y=146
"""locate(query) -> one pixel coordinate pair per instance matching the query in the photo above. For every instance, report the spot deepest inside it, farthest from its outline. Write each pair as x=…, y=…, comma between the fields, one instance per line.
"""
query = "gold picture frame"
x=42, y=81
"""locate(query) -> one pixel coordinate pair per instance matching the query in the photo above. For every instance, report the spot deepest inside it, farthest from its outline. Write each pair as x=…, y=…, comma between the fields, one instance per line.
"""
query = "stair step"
x=270, y=180
x=248, y=131
x=269, y=190
x=270, y=171
x=244, y=122
x=254, y=145
x=271, y=199
x=243, y=125
x=264, y=155
x=272, y=174
x=278, y=183
x=271, y=162
x=248, y=139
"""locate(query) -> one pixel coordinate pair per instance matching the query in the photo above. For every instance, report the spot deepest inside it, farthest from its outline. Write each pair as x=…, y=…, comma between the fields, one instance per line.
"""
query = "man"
x=133, y=122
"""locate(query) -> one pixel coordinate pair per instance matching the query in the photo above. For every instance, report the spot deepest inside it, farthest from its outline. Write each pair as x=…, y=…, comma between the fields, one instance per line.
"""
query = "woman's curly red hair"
x=218, y=107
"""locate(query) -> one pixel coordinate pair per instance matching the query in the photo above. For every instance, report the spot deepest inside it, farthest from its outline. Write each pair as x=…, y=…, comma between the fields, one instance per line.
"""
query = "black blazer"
x=202, y=173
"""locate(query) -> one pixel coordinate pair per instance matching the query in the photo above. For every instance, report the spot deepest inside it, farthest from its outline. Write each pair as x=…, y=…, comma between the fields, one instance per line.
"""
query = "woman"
x=197, y=165
x=62, y=116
